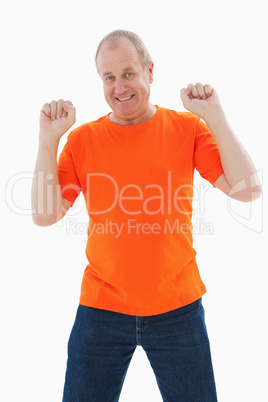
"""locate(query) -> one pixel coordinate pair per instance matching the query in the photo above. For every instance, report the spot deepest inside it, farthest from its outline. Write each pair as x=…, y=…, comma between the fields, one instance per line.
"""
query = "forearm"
x=238, y=167
x=46, y=194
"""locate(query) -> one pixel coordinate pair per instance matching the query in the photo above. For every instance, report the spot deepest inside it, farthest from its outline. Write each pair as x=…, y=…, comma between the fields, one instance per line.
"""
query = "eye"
x=108, y=79
x=129, y=74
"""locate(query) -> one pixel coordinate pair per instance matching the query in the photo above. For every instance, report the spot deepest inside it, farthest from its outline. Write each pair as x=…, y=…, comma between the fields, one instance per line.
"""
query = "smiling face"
x=126, y=82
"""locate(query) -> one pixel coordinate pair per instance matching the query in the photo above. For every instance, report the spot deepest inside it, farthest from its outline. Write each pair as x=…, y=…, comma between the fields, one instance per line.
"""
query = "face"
x=126, y=82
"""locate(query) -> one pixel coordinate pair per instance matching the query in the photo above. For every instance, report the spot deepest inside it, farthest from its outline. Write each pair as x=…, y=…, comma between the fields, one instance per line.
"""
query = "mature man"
x=135, y=168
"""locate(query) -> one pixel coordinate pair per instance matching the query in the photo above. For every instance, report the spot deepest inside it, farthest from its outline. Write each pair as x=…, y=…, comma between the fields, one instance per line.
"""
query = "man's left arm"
x=240, y=179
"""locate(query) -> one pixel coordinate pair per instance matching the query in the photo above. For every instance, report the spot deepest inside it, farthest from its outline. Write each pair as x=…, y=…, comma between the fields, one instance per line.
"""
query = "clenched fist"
x=202, y=100
x=56, y=118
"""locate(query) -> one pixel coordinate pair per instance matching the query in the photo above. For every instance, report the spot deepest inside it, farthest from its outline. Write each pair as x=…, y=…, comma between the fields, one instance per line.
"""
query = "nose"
x=119, y=87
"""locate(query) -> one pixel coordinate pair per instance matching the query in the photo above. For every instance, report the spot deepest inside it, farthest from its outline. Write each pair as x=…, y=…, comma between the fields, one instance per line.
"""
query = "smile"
x=125, y=99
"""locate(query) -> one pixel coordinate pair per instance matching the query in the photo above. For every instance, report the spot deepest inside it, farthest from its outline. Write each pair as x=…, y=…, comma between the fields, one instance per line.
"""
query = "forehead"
x=117, y=54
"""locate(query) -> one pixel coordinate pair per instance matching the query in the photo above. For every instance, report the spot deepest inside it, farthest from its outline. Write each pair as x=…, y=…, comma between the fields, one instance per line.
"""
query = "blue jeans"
x=102, y=344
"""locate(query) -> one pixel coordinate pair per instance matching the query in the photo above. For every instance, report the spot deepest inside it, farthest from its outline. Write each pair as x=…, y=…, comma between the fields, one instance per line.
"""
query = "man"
x=135, y=168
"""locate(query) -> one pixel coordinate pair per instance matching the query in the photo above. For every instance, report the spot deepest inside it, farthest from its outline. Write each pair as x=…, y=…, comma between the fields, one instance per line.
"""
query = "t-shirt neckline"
x=134, y=127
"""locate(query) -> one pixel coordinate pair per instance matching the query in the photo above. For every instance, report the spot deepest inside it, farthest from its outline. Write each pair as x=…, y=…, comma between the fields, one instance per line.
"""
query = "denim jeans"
x=176, y=343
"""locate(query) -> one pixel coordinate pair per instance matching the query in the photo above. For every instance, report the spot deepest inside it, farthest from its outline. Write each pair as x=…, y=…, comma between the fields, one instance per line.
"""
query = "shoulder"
x=186, y=119
x=86, y=129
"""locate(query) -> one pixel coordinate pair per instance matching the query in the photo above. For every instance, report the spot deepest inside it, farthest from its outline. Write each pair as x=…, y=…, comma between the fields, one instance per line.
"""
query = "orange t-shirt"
x=138, y=186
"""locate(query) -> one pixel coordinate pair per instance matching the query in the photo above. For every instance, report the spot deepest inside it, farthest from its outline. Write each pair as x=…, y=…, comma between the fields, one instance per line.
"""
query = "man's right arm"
x=48, y=206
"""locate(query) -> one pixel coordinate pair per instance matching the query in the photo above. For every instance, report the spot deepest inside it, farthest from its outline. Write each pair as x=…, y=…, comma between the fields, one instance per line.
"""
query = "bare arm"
x=240, y=179
x=48, y=206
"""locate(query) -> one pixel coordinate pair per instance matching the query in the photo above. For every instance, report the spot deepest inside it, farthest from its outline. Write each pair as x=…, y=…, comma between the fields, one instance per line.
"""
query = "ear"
x=151, y=70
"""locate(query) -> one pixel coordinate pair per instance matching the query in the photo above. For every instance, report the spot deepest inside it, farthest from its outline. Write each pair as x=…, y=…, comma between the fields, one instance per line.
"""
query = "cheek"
x=146, y=87
x=107, y=92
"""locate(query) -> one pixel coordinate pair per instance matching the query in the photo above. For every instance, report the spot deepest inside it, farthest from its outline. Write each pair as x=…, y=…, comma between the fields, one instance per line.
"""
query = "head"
x=126, y=69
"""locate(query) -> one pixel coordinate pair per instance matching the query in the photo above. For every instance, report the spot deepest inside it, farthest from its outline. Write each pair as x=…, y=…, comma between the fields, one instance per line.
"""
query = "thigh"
x=177, y=346
x=100, y=349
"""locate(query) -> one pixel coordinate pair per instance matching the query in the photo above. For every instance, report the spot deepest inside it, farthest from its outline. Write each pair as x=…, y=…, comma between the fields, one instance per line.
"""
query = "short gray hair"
x=145, y=57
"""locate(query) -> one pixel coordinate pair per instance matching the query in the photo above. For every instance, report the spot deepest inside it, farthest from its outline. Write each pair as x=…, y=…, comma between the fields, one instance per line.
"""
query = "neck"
x=130, y=121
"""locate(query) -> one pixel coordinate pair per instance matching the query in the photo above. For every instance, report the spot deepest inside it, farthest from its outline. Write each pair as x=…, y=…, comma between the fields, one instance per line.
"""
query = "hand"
x=56, y=118
x=200, y=100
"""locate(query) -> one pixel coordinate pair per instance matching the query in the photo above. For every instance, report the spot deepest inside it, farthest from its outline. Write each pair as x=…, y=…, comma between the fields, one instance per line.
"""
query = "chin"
x=125, y=111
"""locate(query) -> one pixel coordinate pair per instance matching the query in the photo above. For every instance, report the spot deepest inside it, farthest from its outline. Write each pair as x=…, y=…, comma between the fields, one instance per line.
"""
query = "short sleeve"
x=69, y=182
x=206, y=155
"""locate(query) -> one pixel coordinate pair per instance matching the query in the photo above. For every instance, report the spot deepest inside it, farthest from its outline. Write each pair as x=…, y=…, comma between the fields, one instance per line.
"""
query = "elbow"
x=42, y=221
x=42, y=218
x=248, y=195
x=257, y=193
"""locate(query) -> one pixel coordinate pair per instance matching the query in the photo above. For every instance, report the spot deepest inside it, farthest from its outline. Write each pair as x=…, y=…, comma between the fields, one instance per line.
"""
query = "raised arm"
x=240, y=179
x=48, y=206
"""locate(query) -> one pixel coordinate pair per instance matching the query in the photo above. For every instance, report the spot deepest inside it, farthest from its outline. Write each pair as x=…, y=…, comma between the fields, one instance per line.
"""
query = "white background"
x=48, y=53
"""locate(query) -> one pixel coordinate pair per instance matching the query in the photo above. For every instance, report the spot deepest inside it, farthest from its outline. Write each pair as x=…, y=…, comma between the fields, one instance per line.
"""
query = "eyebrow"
x=125, y=69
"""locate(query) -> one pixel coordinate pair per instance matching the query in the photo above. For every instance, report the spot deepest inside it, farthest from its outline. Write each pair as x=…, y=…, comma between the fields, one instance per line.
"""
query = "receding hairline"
x=113, y=39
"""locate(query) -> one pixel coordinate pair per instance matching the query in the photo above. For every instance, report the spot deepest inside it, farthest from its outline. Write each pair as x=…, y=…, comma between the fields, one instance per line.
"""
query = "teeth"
x=122, y=99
